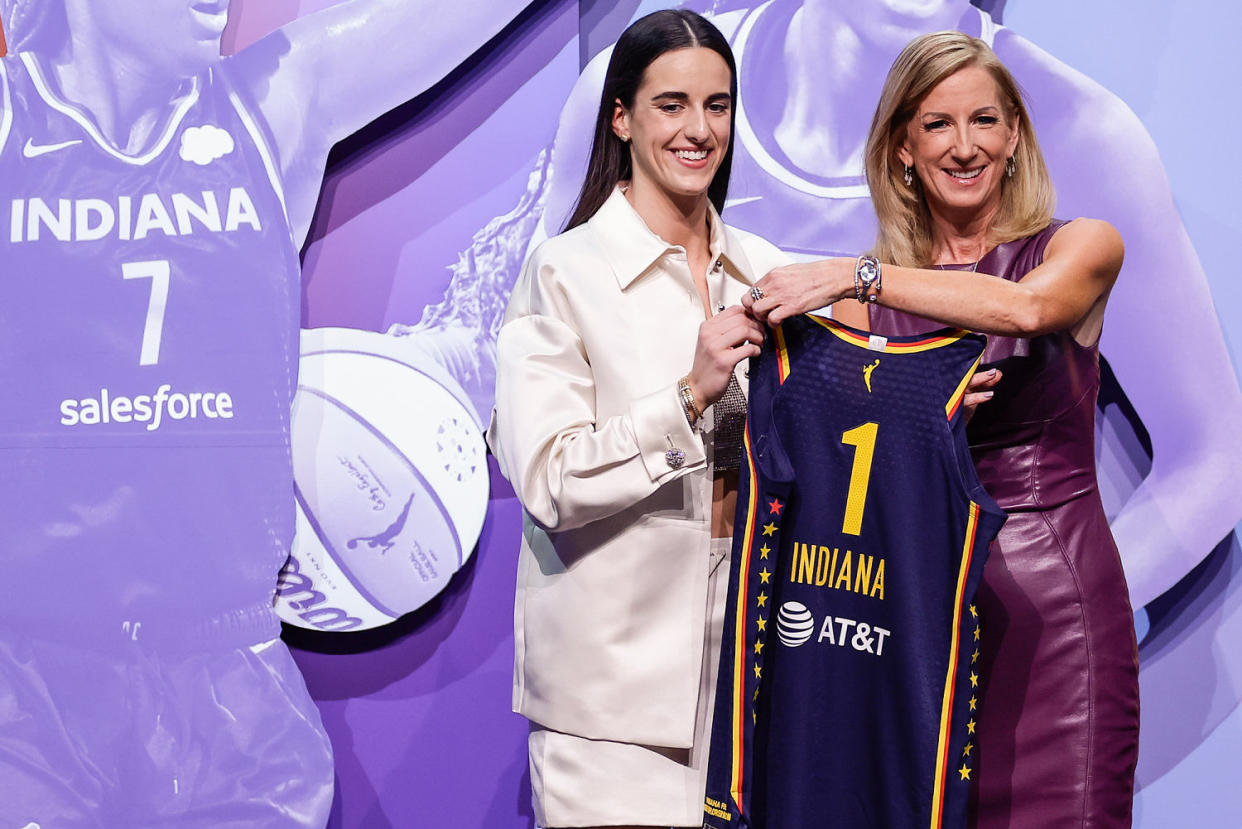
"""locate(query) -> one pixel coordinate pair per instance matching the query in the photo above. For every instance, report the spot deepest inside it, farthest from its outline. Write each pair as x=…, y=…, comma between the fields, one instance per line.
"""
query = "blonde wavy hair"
x=1027, y=198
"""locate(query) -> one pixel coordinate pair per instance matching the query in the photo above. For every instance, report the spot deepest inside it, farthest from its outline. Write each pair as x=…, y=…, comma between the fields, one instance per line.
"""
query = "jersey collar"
x=88, y=125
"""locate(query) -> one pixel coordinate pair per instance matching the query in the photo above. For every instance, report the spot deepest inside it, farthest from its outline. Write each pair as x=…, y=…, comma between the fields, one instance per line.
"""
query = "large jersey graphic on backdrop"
x=153, y=219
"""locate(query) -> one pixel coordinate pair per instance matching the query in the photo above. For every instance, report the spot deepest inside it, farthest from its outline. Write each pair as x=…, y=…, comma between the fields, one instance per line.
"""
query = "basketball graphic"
x=390, y=477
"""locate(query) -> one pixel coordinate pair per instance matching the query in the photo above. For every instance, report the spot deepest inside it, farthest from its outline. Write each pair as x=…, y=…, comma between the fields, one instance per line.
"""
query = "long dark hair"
x=645, y=40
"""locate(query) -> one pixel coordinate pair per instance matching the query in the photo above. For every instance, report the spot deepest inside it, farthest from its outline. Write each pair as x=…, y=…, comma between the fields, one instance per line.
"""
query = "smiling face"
x=958, y=142
x=678, y=127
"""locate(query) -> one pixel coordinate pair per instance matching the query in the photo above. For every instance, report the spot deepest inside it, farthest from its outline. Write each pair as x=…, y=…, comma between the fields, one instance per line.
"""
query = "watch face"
x=868, y=270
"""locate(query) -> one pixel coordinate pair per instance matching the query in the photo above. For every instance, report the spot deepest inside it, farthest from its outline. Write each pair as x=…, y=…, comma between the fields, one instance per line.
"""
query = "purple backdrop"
x=419, y=711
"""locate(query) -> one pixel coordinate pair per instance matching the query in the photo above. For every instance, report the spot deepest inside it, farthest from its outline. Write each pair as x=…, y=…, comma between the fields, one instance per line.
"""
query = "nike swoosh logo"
x=33, y=150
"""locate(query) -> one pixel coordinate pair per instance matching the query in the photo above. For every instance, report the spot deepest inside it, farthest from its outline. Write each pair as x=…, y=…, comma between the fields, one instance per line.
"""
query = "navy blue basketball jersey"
x=847, y=687
x=149, y=306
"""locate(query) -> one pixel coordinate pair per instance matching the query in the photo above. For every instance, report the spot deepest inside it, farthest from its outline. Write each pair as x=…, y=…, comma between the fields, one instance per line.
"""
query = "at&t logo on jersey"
x=796, y=626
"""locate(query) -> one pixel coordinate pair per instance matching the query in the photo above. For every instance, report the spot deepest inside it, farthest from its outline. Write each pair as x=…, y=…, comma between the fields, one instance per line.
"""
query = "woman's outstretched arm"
x=322, y=77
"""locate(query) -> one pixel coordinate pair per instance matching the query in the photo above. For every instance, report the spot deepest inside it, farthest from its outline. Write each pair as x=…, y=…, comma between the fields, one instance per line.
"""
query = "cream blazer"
x=612, y=578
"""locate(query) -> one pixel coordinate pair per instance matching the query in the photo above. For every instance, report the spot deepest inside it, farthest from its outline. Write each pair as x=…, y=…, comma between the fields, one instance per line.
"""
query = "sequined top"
x=730, y=412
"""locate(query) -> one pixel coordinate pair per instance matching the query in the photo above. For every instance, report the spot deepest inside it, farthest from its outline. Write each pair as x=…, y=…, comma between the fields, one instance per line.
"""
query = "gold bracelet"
x=687, y=401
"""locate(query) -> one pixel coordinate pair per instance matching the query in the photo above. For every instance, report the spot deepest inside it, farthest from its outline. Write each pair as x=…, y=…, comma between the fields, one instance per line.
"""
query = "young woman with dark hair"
x=619, y=406
x=610, y=160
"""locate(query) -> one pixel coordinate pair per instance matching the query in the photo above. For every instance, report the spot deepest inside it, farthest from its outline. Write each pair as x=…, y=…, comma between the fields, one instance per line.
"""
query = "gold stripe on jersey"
x=742, y=704
x=955, y=400
x=862, y=340
x=782, y=355
x=946, y=711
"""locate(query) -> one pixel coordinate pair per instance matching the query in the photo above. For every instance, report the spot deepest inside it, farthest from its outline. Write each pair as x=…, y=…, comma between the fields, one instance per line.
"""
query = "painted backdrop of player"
x=156, y=198
x=389, y=462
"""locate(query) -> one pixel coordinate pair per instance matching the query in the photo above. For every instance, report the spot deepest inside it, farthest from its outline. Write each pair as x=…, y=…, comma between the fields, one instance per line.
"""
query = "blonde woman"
x=967, y=239
x=619, y=403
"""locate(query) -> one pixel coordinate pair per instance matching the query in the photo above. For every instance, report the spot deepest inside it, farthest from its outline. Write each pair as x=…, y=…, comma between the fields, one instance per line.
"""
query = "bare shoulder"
x=1092, y=242
x=1085, y=235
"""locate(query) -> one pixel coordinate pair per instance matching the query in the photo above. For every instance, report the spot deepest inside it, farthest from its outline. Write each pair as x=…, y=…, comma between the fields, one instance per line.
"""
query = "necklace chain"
x=974, y=266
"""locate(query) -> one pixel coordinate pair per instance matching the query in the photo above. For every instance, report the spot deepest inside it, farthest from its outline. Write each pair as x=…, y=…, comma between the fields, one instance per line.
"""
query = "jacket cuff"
x=660, y=424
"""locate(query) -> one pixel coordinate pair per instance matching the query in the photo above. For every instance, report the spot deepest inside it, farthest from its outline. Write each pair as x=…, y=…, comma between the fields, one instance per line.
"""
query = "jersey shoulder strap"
x=6, y=104
x=248, y=113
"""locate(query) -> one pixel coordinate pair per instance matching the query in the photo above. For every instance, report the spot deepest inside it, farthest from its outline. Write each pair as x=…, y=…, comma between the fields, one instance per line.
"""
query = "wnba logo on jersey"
x=795, y=626
x=867, y=374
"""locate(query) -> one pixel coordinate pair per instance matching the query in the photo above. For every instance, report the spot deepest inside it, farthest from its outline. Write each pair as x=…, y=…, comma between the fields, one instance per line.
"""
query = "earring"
x=1010, y=166
x=625, y=139
x=909, y=176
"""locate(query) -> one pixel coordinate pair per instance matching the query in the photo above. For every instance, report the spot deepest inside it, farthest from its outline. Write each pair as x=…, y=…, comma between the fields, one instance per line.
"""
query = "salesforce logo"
x=794, y=624
x=204, y=144
x=152, y=409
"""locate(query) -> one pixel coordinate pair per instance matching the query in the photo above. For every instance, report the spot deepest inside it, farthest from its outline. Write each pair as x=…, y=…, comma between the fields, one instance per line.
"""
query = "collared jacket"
x=612, y=579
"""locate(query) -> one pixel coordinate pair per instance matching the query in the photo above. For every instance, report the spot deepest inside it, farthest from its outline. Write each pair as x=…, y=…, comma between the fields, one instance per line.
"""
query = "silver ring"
x=756, y=293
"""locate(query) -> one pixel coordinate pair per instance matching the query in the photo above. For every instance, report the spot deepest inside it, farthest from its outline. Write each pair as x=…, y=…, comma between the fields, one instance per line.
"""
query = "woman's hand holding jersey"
x=724, y=341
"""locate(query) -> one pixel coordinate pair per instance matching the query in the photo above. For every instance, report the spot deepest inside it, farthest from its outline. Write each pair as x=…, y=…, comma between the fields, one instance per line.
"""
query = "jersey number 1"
x=158, y=271
x=862, y=438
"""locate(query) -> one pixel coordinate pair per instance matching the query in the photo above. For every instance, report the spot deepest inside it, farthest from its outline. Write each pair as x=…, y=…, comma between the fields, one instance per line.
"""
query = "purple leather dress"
x=1059, y=709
